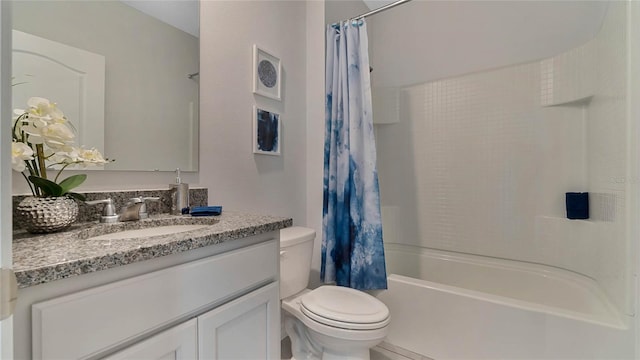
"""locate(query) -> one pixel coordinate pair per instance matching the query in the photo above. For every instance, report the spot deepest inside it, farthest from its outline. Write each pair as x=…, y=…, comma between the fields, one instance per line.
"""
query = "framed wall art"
x=267, y=71
x=267, y=137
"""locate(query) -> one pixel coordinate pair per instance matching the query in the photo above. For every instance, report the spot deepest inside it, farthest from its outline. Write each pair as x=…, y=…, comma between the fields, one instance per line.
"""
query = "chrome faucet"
x=135, y=209
x=131, y=211
x=139, y=205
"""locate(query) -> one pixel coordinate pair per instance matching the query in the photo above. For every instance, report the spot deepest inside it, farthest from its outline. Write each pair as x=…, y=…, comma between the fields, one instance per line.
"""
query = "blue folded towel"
x=206, y=210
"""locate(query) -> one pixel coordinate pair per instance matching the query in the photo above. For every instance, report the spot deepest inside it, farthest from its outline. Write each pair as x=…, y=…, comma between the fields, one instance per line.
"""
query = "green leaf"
x=72, y=182
x=48, y=187
x=77, y=196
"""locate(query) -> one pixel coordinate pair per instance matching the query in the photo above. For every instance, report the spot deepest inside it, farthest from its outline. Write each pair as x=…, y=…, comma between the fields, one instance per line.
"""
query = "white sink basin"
x=152, y=231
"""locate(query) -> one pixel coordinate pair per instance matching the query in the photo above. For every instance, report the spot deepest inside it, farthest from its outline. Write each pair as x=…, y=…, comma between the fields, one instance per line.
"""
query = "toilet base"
x=309, y=344
x=327, y=356
x=361, y=355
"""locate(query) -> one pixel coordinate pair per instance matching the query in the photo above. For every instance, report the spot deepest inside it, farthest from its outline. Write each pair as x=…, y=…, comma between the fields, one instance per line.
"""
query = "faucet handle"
x=135, y=200
x=108, y=211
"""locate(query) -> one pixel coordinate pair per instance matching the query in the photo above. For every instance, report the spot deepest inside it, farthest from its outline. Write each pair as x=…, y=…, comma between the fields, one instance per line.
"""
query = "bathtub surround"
x=489, y=156
x=352, y=251
x=197, y=197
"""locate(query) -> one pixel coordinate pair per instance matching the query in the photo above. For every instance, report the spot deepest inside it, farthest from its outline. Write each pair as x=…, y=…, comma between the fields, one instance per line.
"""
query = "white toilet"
x=330, y=322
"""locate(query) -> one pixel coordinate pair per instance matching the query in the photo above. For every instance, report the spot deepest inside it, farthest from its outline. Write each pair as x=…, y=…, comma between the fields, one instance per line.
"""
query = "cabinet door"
x=179, y=342
x=246, y=328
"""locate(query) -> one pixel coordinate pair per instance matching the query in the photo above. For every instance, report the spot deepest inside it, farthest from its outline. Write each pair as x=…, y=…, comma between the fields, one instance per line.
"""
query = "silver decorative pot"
x=47, y=214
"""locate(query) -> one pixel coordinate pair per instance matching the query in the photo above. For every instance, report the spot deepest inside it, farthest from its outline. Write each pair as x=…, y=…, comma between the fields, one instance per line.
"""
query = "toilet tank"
x=296, y=247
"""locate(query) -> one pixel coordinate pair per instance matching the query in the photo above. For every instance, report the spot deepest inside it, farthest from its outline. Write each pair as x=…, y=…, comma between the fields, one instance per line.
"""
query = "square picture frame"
x=267, y=74
x=267, y=132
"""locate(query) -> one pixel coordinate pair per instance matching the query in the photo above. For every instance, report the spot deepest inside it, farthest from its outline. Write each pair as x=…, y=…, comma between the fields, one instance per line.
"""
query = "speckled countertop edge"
x=39, y=259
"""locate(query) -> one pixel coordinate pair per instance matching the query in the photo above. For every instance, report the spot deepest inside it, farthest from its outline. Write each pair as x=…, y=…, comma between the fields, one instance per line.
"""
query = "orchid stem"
x=40, y=155
x=60, y=172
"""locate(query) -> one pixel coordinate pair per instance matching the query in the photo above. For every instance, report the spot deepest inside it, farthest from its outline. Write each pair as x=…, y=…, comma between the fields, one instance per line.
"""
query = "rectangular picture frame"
x=267, y=132
x=267, y=74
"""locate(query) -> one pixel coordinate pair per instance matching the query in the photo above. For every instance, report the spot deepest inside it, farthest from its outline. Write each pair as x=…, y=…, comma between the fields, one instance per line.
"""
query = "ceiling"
x=182, y=14
x=374, y=4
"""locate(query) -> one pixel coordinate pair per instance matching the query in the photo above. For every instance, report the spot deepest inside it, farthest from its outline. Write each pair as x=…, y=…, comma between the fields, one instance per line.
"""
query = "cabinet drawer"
x=180, y=343
x=91, y=321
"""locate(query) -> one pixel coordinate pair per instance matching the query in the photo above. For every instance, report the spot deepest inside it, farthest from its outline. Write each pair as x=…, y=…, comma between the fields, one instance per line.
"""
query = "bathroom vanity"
x=211, y=292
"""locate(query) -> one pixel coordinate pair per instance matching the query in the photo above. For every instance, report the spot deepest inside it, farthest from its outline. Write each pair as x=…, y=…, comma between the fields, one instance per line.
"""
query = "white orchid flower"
x=78, y=155
x=20, y=152
x=43, y=126
x=43, y=109
x=66, y=155
x=57, y=135
x=54, y=135
x=92, y=157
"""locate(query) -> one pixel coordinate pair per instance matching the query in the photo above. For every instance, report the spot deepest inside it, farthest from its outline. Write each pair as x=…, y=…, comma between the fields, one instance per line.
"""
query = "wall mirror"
x=125, y=73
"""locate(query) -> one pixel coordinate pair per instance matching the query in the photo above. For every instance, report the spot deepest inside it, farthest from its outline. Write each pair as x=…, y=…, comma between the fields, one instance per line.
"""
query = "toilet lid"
x=345, y=308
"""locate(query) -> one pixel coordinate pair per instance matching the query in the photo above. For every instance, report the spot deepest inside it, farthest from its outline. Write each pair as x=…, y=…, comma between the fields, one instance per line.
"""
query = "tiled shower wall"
x=480, y=163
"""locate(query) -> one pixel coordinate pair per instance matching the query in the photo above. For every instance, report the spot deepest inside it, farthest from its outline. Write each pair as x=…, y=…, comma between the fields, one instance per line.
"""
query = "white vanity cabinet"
x=242, y=329
x=218, y=307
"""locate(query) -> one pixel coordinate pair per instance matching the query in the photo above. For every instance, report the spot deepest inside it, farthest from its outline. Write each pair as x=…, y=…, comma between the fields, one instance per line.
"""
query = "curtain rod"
x=380, y=9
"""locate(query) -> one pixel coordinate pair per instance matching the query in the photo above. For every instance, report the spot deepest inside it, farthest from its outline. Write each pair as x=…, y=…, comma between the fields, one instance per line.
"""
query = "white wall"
x=315, y=127
x=633, y=193
x=6, y=254
x=237, y=178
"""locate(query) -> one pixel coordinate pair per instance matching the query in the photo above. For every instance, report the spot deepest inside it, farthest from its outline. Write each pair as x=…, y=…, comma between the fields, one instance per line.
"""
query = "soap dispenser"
x=179, y=195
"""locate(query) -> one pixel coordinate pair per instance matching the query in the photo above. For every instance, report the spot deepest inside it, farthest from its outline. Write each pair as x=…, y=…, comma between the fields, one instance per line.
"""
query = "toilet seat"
x=344, y=308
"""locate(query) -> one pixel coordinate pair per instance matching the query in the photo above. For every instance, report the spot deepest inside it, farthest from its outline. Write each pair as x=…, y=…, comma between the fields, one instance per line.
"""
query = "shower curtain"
x=352, y=251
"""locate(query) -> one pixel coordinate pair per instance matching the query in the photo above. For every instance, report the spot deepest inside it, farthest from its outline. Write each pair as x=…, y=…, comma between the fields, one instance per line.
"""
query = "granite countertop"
x=38, y=259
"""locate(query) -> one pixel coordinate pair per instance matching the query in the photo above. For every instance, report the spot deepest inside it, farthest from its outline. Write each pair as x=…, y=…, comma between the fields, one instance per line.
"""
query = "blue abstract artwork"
x=266, y=125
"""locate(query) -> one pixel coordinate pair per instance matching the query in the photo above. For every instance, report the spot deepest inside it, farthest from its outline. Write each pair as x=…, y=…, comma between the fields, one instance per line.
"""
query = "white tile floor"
x=384, y=351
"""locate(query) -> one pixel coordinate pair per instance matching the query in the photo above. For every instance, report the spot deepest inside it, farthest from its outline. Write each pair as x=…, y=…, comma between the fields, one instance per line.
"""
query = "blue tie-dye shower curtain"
x=352, y=251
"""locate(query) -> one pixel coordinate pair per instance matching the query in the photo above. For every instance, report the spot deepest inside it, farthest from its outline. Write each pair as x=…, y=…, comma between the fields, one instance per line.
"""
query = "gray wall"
x=237, y=178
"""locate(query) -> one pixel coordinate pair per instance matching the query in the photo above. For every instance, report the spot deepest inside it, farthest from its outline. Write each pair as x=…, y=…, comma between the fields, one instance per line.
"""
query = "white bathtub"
x=456, y=306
